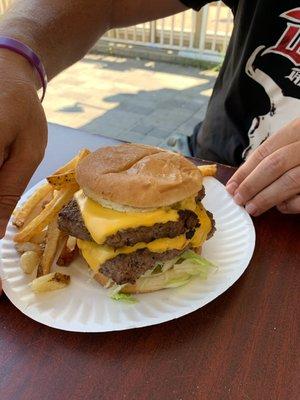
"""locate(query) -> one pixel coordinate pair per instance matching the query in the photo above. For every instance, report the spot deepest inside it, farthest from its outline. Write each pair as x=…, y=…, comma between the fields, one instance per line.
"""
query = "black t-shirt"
x=258, y=89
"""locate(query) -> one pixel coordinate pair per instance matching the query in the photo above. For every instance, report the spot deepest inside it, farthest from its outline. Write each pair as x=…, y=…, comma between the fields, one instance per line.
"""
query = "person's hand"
x=23, y=131
x=271, y=175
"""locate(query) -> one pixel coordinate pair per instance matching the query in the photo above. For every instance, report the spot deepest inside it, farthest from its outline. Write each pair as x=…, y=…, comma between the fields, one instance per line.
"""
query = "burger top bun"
x=138, y=176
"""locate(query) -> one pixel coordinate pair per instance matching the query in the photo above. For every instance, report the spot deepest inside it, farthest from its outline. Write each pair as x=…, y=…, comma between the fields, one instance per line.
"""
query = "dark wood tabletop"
x=243, y=345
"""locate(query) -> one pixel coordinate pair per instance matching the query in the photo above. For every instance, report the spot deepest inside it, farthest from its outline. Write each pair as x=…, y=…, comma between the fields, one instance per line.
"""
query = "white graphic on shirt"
x=283, y=109
x=294, y=76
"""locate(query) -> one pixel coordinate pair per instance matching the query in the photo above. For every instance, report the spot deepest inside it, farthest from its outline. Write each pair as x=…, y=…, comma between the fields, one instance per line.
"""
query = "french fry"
x=52, y=281
x=60, y=180
x=82, y=154
x=71, y=165
x=208, y=170
x=38, y=209
x=28, y=246
x=21, y=214
x=52, y=240
x=71, y=243
x=39, y=238
x=29, y=261
x=37, y=225
x=43, y=194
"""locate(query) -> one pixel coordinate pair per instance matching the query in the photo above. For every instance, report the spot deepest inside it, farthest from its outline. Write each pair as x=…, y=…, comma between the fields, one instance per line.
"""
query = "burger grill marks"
x=71, y=222
x=127, y=268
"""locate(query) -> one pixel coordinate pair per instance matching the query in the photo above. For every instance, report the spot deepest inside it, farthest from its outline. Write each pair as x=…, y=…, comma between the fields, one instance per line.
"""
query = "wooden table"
x=241, y=346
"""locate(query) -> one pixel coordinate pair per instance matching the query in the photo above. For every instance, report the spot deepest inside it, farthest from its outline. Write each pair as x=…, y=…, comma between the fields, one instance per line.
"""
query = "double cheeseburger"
x=138, y=217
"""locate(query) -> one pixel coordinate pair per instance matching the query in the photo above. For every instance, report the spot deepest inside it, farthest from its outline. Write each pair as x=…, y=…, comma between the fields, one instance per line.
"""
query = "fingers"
x=15, y=174
x=285, y=136
x=271, y=175
x=268, y=171
x=279, y=191
x=291, y=206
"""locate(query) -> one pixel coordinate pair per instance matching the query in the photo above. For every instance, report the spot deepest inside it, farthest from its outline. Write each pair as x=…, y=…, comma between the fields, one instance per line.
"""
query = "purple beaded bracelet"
x=25, y=51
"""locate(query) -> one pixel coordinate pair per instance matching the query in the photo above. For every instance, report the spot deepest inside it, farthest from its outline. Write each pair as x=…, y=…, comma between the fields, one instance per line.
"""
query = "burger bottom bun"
x=143, y=284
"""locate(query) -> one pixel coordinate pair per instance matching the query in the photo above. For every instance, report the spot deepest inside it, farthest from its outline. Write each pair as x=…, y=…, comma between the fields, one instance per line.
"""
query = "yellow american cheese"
x=96, y=254
x=205, y=222
x=103, y=222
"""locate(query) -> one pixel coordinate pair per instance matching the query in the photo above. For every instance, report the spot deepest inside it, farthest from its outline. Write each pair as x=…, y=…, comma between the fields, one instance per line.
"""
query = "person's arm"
x=60, y=32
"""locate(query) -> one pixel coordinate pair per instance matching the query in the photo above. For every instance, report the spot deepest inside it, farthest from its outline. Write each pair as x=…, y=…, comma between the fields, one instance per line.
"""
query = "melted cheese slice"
x=205, y=226
x=103, y=222
x=96, y=254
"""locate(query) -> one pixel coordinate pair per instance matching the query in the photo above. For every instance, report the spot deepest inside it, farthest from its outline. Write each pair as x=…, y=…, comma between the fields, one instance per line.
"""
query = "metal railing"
x=197, y=35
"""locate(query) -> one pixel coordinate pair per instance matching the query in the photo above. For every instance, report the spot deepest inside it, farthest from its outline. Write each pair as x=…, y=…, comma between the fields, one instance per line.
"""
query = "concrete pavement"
x=134, y=100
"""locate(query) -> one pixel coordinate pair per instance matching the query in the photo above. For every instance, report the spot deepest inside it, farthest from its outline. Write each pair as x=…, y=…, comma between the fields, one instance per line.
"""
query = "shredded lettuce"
x=177, y=272
x=116, y=294
x=196, y=258
x=124, y=297
x=193, y=264
x=168, y=265
x=177, y=282
x=157, y=269
x=171, y=274
x=116, y=289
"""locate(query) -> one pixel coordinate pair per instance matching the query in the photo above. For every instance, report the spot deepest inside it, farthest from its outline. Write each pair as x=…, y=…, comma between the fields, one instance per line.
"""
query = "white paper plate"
x=84, y=305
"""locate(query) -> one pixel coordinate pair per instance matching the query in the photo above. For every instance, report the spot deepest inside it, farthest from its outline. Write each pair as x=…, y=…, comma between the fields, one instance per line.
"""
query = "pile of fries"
x=39, y=241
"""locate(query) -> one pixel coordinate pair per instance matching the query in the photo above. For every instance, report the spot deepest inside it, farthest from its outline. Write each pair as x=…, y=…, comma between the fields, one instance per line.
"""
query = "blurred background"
x=147, y=82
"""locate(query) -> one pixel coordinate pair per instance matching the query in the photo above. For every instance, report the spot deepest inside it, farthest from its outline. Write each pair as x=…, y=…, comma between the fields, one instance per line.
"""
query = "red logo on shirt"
x=289, y=44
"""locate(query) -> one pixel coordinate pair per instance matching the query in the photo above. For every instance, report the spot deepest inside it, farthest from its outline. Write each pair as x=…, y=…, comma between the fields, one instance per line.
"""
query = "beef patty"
x=71, y=222
x=127, y=268
x=213, y=225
